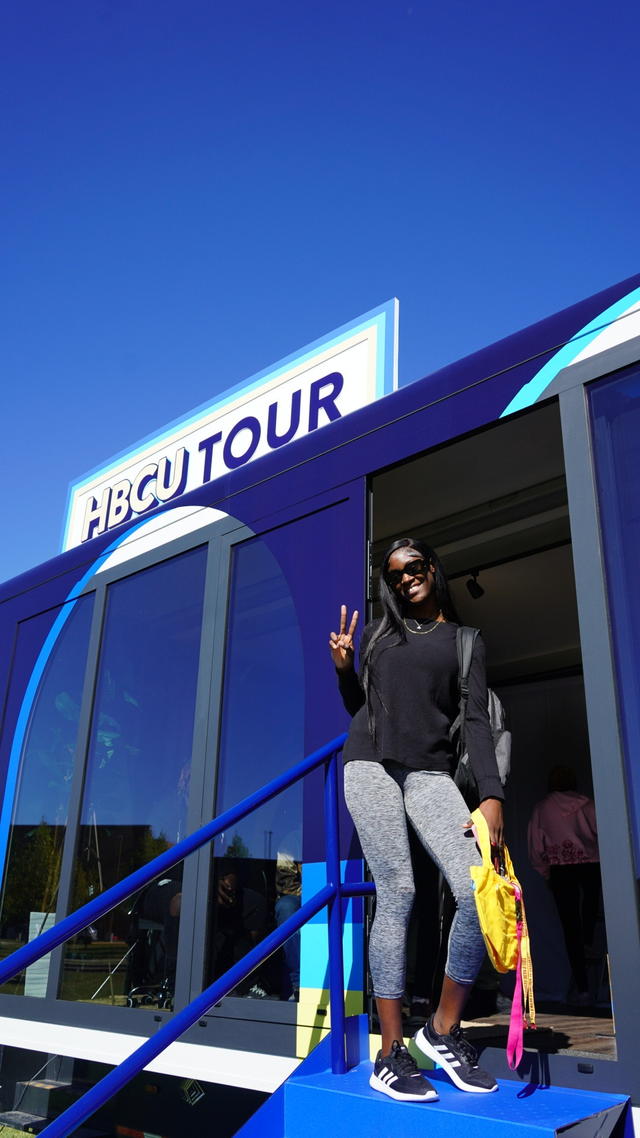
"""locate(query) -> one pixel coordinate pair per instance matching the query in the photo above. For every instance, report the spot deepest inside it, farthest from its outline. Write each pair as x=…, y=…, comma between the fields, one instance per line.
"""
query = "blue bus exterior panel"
x=307, y=502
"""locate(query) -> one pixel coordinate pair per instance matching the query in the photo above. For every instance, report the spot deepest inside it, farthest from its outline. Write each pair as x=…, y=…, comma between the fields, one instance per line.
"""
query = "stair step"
x=34, y=1123
x=45, y=1097
x=22, y=1120
x=314, y=1103
x=344, y=1106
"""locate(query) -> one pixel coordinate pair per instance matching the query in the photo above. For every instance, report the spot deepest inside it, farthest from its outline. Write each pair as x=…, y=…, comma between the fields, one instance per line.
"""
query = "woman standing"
x=398, y=762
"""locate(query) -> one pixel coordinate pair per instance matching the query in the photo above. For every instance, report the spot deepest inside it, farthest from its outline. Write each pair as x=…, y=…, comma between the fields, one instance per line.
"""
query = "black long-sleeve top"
x=414, y=695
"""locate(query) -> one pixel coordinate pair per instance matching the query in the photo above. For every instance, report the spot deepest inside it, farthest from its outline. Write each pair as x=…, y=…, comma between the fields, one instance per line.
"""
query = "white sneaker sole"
x=429, y=1050
x=378, y=1085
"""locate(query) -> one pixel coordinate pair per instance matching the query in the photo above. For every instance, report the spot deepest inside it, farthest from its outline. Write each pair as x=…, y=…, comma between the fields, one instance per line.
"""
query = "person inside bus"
x=240, y=920
x=563, y=848
x=398, y=761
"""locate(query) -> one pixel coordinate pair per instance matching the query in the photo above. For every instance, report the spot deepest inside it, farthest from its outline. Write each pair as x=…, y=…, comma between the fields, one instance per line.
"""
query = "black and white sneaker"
x=457, y=1058
x=397, y=1075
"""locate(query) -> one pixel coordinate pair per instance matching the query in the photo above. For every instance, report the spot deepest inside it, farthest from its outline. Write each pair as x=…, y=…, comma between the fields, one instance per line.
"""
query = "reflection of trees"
x=80, y=893
x=152, y=846
x=33, y=874
x=237, y=847
x=107, y=854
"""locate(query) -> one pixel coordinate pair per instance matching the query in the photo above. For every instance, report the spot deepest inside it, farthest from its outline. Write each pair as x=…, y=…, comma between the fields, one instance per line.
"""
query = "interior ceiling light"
x=474, y=588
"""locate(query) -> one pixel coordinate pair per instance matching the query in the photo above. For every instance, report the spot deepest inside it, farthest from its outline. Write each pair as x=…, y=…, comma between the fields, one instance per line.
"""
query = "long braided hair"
x=391, y=627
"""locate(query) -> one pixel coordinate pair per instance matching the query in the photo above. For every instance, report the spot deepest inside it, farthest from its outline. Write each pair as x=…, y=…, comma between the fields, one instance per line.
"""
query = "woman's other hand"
x=341, y=643
x=491, y=808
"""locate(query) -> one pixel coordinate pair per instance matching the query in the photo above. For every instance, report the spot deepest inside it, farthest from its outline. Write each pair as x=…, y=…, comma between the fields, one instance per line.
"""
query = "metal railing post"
x=336, y=963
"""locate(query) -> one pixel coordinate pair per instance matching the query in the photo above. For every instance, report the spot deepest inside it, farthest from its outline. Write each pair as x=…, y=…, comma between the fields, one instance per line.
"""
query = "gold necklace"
x=418, y=631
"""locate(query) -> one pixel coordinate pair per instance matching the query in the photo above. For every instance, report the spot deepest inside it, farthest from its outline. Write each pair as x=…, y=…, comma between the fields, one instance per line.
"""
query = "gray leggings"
x=380, y=798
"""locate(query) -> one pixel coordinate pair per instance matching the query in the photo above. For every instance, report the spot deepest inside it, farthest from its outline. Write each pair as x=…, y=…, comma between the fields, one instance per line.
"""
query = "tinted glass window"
x=257, y=866
x=47, y=761
x=615, y=410
x=137, y=781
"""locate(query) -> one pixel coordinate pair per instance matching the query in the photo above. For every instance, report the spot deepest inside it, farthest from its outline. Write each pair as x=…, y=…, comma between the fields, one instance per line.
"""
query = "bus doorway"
x=494, y=506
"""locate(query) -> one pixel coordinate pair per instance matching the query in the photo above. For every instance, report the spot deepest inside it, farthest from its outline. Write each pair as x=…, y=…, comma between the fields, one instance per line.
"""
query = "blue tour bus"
x=174, y=658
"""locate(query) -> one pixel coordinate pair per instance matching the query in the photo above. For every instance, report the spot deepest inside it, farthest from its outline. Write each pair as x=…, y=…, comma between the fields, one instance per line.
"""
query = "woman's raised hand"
x=341, y=643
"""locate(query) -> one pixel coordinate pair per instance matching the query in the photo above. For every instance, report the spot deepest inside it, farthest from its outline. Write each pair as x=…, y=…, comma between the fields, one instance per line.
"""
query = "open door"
x=494, y=506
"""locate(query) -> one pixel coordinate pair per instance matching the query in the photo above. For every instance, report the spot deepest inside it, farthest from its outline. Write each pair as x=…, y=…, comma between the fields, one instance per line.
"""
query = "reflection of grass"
x=84, y=969
x=87, y=966
x=99, y=951
x=82, y=985
x=15, y=986
x=9, y=946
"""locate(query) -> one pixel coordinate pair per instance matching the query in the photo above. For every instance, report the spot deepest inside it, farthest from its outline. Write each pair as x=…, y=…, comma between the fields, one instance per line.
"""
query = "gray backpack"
x=464, y=777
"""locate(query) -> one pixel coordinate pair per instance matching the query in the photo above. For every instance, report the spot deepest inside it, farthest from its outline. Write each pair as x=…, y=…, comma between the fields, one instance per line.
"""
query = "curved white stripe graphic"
x=619, y=322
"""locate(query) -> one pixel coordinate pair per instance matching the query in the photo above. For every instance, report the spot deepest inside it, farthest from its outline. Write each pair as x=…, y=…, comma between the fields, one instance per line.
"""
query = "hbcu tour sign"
x=321, y=384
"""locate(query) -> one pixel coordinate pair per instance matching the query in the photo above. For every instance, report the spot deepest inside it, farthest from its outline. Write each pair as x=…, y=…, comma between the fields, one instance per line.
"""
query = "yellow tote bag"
x=503, y=922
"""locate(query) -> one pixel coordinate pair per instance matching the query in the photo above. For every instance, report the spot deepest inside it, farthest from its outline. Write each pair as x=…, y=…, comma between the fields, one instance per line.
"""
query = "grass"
x=85, y=968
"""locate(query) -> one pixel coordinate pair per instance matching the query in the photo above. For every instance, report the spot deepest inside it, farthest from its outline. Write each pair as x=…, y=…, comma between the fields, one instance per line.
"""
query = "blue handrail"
x=106, y=901
x=331, y=895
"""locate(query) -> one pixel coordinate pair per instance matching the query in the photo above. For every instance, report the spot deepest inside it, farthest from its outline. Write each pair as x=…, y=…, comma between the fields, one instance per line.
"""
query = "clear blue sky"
x=192, y=190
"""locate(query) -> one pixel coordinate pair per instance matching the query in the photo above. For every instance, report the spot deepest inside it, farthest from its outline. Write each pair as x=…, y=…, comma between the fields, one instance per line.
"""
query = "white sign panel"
x=319, y=385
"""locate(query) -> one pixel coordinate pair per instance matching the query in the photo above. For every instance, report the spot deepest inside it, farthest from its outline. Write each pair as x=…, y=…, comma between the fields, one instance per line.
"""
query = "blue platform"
x=314, y=1102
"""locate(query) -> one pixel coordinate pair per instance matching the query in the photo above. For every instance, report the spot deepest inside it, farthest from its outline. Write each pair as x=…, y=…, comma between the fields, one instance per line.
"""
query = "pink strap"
x=516, y=1024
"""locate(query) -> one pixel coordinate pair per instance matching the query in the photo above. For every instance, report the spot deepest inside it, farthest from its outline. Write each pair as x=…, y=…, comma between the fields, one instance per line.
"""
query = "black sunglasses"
x=415, y=568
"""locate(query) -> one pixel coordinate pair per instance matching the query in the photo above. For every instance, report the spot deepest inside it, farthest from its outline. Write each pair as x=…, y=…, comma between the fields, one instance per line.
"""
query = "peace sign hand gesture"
x=341, y=643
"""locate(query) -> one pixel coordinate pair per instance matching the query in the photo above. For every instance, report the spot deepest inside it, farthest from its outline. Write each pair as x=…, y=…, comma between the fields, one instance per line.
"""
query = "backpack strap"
x=465, y=641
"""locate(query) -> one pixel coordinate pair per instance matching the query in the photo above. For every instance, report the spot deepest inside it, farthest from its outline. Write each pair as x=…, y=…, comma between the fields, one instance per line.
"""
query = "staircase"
x=40, y=1100
x=315, y=1102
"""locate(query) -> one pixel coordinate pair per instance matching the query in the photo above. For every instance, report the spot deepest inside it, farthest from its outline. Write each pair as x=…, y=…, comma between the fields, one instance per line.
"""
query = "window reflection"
x=42, y=798
x=615, y=410
x=154, y=919
x=135, y=797
x=256, y=882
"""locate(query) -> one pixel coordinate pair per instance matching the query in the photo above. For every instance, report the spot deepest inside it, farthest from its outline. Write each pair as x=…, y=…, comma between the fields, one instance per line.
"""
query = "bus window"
x=137, y=783
x=615, y=411
x=46, y=765
x=256, y=882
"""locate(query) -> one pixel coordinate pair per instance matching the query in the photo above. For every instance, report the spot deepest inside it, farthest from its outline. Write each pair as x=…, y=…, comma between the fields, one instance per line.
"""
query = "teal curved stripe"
x=534, y=388
x=13, y=767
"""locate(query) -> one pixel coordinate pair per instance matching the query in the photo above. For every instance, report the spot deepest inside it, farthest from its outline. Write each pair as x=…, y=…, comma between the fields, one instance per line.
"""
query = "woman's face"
x=410, y=577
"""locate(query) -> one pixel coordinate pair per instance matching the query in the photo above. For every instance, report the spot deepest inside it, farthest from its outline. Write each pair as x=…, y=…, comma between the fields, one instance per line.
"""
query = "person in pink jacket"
x=563, y=847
